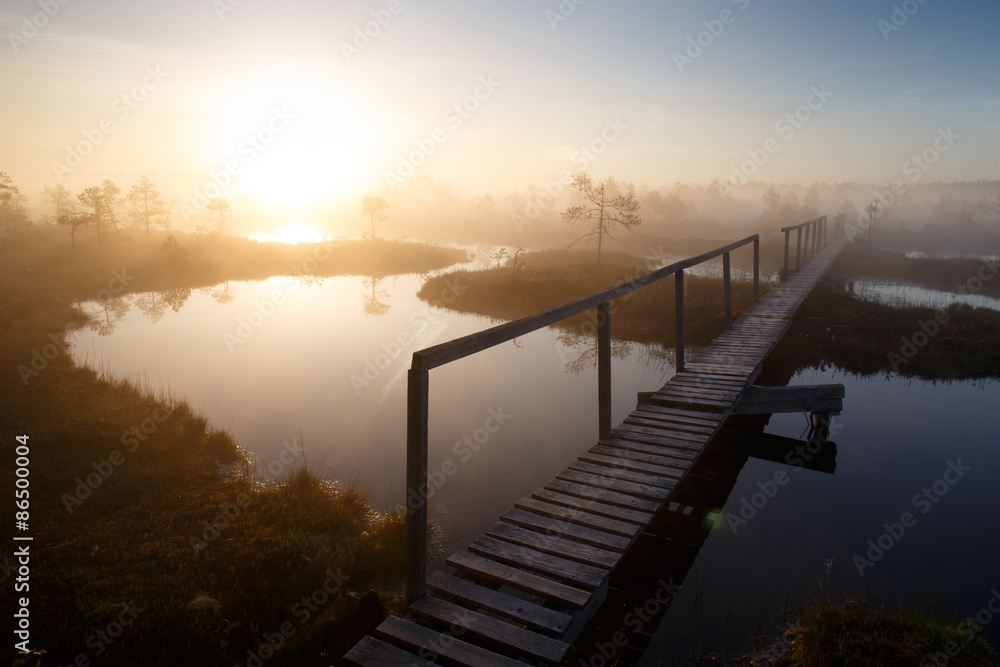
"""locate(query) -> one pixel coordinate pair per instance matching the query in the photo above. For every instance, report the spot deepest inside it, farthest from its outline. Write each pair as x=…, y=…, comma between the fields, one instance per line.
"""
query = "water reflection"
x=374, y=297
x=105, y=314
x=896, y=294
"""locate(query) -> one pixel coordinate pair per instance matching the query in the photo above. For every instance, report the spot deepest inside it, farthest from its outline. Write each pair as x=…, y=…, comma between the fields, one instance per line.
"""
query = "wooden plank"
x=555, y=545
x=513, y=638
x=500, y=573
x=661, y=422
x=696, y=418
x=550, y=526
x=578, y=574
x=377, y=653
x=624, y=442
x=631, y=464
x=535, y=616
x=664, y=430
x=435, y=645
x=573, y=514
x=643, y=491
x=640, y=457
x=806, y=398
x=606, y=470
x=594, y=506
x=604, y=496
x=678, y=441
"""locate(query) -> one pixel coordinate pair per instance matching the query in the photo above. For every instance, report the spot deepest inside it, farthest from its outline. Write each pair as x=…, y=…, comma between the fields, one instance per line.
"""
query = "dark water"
x=302, y=371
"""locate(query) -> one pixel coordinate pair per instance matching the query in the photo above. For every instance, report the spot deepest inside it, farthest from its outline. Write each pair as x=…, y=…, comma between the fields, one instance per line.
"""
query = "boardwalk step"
x=659, y=460
x=434, y=645
x=501, y=573
x=575, y=514
x=625, y=474
x=554, y=545
x=562, y=493
x=514, y=639
x=534, y=616
x=626, y=441
x=597, y=538
x=577, y=574
x=377, y=653
x=642, y=491
x=629, y=463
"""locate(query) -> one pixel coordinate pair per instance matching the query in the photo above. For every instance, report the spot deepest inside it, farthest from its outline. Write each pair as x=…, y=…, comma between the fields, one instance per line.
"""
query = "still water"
x=278, y=360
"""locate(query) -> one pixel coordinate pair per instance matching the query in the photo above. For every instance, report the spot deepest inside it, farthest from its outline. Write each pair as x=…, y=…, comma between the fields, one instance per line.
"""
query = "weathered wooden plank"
x=535, y=616
x=687, y=416
x=501, y=573
x=371, y=652
x=578, y=516
x=479, y=627
x=550, y=526
x=578, y=574
x=641, y=457
x=664, y=430
x=606, y=470
x=676, y=440
x=810, y=398
x=626, y=442
x=575, y=496
x=656, y=421
x=600, y=481
x=631, y=464
x=436, y=645
x=555, y=545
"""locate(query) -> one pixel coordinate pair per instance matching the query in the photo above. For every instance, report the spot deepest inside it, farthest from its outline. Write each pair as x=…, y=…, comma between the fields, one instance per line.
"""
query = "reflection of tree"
x=586, y=345
x=222, y=294
x=176, y=297
x=152, y=305
x=107, y=313
x=374, y=300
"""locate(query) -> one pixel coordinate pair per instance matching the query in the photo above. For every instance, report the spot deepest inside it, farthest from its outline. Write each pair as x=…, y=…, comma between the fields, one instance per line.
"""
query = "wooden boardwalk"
x=523, y=592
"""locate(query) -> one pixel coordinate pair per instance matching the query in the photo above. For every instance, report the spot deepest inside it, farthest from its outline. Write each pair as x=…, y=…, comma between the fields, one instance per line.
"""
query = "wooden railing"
x=817, y=228
x=418, y=379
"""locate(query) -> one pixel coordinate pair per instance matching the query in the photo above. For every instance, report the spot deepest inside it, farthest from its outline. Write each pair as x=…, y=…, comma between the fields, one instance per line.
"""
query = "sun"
x=298, y=138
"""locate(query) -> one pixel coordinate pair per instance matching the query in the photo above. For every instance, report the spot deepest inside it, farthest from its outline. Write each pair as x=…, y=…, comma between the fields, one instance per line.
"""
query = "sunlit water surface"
x=277, y=359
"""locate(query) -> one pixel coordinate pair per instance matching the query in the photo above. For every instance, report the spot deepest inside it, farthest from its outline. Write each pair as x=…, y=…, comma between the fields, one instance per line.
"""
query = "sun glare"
x=300, y=139
x=292, y=233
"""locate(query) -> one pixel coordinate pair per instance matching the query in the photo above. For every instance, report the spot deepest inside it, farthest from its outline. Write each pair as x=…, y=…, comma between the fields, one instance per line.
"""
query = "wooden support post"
x=805, y=247
x=604, y=369
x=798, y=248
x=727, y=291
x=416, y=483
x=756, y=268
x=788, y=235
x=679, y=319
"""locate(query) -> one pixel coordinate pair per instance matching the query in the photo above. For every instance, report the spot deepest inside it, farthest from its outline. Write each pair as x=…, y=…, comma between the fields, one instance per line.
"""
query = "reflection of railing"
x=424, y=360
x=817, y=228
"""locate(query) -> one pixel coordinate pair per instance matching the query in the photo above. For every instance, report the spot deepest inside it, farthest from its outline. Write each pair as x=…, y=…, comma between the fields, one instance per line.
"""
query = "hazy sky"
x=301, y=104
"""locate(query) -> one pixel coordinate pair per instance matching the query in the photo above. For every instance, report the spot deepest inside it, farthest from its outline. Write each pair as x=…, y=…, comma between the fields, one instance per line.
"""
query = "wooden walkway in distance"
x=523, y=592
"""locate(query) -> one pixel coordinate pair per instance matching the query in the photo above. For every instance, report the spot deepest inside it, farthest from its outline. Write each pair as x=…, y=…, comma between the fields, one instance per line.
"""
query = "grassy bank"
x=143, y=553
x=548, y=279
x=829, y=634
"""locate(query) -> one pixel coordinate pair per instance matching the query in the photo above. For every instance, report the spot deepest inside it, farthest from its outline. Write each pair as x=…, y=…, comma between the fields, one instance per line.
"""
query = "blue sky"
x=229, y=66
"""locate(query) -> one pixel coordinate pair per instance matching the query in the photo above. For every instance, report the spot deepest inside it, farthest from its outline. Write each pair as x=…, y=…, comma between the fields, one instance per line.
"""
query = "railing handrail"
x=792, y=228
x=458, y=348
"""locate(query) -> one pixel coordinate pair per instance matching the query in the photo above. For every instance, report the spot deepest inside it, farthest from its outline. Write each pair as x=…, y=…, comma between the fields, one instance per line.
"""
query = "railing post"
x=727, y=291
x=805, y=246
x=604, y=369
x=798, y=249
x=679, y=319
x=756, y=269
x=788, y=238
x=416, y=483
